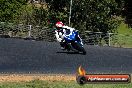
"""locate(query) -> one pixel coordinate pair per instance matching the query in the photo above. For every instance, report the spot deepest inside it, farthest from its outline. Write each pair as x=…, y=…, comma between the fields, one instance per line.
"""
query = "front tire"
x=84, y=51
x=79, y=48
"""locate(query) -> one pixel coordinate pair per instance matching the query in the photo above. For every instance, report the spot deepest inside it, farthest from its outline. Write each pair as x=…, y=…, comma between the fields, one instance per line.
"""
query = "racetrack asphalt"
x=26, y=56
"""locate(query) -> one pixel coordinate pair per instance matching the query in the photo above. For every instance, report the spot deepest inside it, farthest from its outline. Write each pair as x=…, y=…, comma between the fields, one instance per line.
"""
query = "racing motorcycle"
x=74, y=43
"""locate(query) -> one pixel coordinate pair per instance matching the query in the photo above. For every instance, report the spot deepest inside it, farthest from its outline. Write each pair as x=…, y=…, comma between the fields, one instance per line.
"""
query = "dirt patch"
x=30, y=77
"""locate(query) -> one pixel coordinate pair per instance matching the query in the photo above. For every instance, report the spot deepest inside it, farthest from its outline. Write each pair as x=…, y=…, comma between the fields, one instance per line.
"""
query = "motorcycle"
x=74, y=43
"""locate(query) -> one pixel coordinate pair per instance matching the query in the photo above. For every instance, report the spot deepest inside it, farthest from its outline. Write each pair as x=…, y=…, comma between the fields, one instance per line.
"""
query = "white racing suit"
x=63, y=32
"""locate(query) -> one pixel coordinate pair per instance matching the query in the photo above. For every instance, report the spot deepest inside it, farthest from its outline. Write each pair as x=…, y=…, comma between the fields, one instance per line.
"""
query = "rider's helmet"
x=59, y=24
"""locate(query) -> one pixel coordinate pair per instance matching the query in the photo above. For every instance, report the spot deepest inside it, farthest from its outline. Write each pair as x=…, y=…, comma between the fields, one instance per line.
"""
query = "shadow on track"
x=69, y=52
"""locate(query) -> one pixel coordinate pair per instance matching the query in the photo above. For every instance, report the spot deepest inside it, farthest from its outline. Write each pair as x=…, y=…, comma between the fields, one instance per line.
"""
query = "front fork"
x=79, y=40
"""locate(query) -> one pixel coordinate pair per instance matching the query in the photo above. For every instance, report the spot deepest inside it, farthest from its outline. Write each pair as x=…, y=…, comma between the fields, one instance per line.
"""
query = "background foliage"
x=91, y=15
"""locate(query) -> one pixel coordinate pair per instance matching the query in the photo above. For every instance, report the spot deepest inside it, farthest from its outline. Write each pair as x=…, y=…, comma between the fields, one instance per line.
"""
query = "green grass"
x=124, y=36
x=59, y=84
x=124, y=29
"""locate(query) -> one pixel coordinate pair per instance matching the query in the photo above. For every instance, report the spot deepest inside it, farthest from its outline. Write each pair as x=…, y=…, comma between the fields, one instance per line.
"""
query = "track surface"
x=24, y=56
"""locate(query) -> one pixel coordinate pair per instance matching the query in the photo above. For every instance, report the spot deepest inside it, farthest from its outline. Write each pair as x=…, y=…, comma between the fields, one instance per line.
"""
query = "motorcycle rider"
x=63, y=31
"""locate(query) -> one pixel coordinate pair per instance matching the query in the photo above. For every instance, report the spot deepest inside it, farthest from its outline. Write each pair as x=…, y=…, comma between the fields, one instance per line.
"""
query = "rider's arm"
x=58, y=36
x=68, y=30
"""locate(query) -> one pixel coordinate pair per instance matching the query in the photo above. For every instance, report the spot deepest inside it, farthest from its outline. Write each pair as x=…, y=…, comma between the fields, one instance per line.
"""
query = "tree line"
x=92, y=15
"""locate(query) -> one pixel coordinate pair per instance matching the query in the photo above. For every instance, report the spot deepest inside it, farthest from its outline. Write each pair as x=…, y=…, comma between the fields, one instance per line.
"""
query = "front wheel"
x=84, y=51
x=78, y=47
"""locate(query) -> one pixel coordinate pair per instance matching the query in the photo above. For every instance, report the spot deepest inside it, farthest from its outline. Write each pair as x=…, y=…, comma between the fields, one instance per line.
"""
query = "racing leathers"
x=64, y=32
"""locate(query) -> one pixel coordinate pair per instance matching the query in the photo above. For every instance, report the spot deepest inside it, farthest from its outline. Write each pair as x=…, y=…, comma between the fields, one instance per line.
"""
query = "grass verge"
x=59, y=84
x=49, y=81
x=123, y=37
